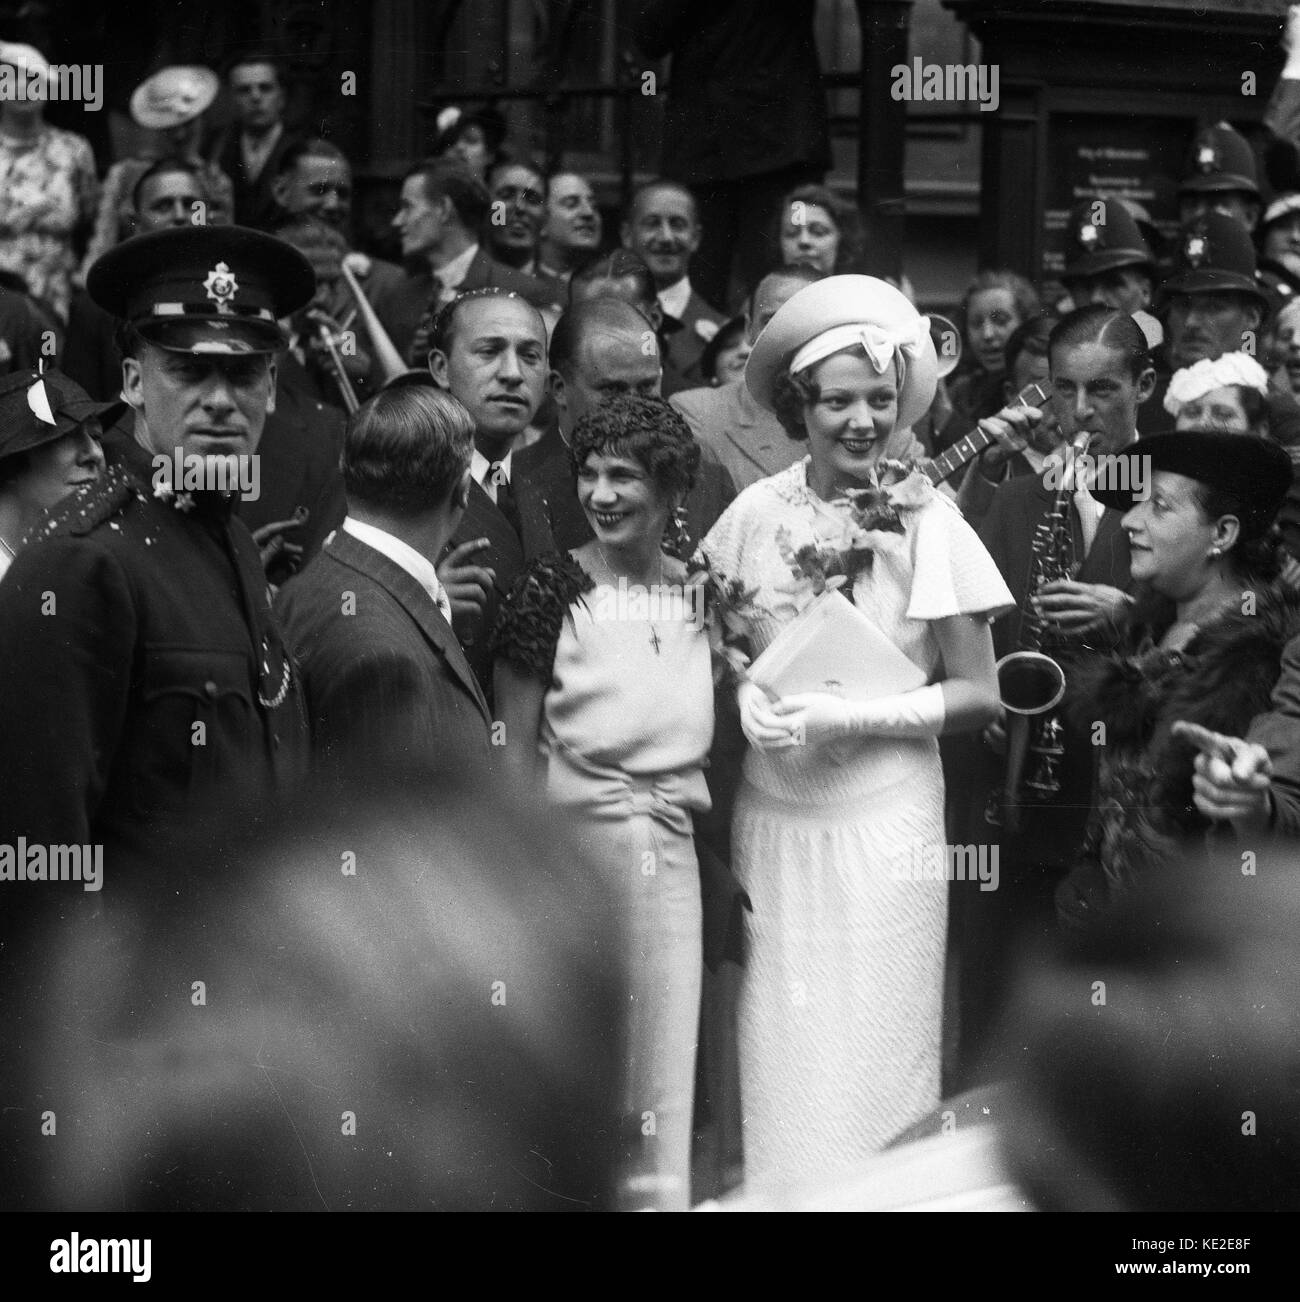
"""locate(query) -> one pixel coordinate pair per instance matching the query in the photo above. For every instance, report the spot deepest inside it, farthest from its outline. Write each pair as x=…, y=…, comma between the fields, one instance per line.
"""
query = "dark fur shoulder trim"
x=88, y=507
x=528, y=628
x=1233, y=667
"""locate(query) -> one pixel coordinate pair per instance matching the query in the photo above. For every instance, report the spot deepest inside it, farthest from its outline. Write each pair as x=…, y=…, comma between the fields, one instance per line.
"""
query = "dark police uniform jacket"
x=139, y=661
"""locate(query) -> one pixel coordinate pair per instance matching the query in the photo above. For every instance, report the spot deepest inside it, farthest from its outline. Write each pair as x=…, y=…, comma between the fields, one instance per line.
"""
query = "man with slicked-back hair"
x=368, y=618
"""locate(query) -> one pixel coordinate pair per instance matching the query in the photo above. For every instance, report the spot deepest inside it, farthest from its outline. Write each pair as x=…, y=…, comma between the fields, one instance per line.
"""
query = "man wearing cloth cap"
x=1108, y=261
x=142, y=669
x=49, y=446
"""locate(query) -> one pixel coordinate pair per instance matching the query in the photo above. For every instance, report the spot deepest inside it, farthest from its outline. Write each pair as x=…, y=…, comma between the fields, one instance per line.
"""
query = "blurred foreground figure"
x=389, y=997
x=1159, y=1054
x=1156, y=1057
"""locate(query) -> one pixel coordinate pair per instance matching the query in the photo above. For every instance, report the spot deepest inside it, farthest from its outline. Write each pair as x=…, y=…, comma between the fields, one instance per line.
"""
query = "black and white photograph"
x=650, y=605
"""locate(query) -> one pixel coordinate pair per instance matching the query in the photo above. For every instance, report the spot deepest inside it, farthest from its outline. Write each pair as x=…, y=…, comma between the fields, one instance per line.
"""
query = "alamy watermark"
x=668, y=603
x=1123, y=472
x=949, y=863
x=181, y=472
x=947, y=83
x=38, y=862
x=73, y=83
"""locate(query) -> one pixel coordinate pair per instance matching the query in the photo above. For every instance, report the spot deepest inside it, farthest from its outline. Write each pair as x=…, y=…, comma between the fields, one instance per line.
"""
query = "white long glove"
x=813, y=717
x=763, y=729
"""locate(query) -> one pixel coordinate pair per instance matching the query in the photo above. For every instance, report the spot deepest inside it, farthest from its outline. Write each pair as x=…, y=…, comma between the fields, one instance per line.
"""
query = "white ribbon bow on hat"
x=880, y=344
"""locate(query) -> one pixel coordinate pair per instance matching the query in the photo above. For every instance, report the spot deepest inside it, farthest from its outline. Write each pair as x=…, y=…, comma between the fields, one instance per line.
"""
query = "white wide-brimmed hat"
x=26, y=58
x=173, y=96
x=844, y=312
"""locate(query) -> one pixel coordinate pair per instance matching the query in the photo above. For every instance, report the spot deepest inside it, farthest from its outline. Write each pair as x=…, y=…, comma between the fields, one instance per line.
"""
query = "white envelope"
x=831, y=646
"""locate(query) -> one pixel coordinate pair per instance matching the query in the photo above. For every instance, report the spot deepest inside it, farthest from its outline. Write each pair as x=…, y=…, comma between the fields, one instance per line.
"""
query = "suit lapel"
x=477, y=276
x=1108, y=561
x=483, y=520
x=417, y=603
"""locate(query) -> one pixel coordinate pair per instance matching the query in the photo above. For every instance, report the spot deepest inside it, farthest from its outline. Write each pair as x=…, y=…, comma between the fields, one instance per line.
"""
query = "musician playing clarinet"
x=1099, y=375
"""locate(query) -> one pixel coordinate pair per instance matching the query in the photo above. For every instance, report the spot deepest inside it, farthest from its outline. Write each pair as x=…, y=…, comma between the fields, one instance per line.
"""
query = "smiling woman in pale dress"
x=841, y=1006
x=604, y=683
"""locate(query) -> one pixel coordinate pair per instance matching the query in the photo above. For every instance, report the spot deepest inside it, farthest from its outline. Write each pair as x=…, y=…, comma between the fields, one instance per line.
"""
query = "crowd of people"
x=505, y=664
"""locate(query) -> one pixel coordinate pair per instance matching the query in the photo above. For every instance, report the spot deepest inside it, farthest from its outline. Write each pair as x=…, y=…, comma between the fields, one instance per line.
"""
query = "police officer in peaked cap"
x=143, y=679
x=1221, y=175
x=1108, y=261
x=1212, y=304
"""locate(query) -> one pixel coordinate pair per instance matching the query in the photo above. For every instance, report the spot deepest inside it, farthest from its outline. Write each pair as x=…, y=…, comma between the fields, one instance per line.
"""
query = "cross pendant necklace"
x=654, y=632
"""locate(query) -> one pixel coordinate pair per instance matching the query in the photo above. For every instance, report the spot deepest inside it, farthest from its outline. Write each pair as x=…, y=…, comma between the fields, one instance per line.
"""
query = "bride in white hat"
x=838, y=833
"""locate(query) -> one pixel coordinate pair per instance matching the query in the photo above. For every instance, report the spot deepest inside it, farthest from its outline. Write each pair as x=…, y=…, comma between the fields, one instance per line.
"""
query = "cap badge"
x=221, y=286
x=38, y=401
x=1207, y=158
x=1089, y=235
x=1195, y=250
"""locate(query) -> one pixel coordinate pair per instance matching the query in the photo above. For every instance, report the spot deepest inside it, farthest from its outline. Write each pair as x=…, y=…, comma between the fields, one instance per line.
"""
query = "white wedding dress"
x=842, y=997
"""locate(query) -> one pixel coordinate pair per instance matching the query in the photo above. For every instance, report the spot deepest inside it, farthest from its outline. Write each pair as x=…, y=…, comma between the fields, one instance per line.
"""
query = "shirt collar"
x=675, y=297
x=255, y=148
x=420, y=568
x=452, y=274
x=479, y=466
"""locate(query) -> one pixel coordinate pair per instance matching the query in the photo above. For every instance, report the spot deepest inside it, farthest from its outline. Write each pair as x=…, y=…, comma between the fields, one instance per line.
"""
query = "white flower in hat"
x=38, y=401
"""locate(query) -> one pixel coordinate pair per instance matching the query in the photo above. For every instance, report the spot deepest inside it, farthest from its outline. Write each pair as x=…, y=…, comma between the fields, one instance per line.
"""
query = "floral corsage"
x=848, y=531
x=728, y=608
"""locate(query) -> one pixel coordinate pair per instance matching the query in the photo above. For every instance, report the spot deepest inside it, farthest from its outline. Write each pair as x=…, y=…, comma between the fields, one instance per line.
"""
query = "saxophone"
x=1031, y=683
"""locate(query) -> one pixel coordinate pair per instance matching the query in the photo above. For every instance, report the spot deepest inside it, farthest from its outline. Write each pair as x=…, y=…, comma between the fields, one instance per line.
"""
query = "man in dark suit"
x=489, y=352
x=442, y=211
x=1101, y=374
x=368, y=618
x=315, y=180
x=745, y=123
x=663, y=226
x=249, y=150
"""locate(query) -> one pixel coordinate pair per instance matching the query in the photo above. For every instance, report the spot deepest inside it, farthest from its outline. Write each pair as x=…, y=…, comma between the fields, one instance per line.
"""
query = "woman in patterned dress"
x=604, y=683
x=839, y=820
x=47, y=189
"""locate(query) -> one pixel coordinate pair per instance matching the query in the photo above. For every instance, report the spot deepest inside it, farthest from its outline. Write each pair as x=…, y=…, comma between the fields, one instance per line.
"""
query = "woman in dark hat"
x=840, y=813
x=473, y=139
x=725, y=355
x=1203, y=645
x=49, y=446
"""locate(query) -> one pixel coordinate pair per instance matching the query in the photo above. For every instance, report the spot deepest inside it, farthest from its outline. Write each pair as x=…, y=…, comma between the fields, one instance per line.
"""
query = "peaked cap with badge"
x=204, y=289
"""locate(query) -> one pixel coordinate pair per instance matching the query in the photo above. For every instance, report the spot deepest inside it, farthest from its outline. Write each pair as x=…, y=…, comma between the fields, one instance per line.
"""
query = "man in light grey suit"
x=748, y=441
